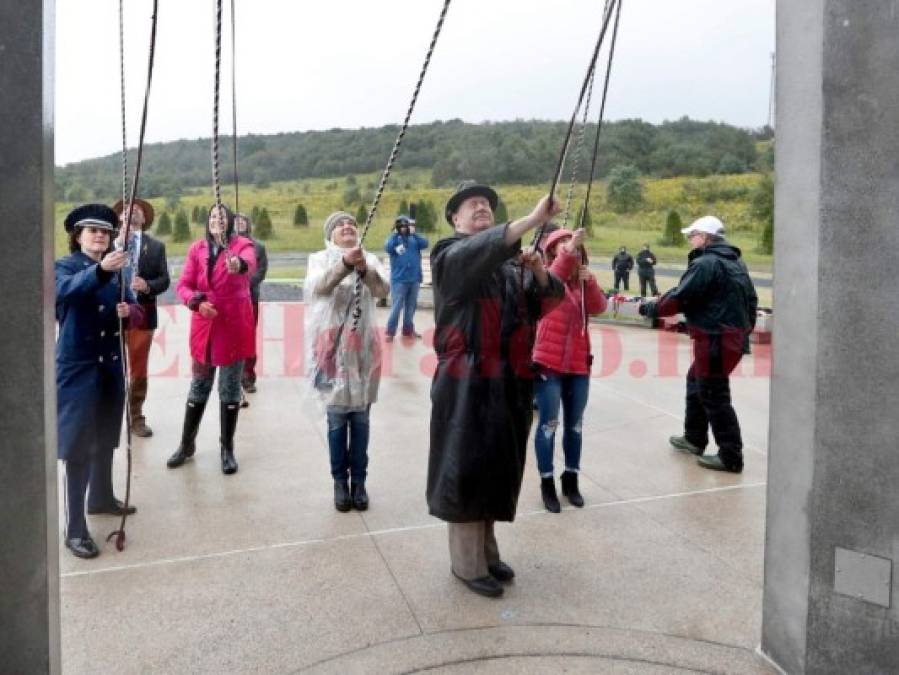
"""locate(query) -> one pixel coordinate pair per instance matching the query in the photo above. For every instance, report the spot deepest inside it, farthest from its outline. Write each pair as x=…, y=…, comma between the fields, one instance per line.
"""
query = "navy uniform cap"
x=92, y=215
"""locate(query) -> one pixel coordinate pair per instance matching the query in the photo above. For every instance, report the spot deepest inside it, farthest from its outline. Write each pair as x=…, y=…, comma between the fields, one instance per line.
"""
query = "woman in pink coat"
x=215, y=285
x=563, y=359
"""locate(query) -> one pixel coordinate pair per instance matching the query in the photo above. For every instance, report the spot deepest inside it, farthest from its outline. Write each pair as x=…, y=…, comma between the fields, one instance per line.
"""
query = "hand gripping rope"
x=119, y=534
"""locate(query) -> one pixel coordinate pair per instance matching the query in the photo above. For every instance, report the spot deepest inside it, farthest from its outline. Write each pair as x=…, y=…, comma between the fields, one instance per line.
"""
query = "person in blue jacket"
x=90, y=384
x=404, y=248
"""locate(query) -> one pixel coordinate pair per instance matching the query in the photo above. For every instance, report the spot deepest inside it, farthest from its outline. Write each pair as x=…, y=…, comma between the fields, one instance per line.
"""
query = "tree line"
x=519, y=151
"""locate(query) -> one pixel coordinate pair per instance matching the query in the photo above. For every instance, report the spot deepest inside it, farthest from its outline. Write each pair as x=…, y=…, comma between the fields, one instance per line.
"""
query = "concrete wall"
x=834, y=439
x=29, y=563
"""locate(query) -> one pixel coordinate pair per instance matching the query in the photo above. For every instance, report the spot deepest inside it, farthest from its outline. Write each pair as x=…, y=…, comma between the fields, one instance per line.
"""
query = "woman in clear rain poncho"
x=344, y=365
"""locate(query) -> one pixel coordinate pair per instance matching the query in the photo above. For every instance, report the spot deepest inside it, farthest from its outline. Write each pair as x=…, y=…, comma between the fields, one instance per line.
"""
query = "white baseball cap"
x=706, y=224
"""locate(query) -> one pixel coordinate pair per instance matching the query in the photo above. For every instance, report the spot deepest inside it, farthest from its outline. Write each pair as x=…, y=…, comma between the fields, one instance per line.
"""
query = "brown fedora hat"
x=146, y=207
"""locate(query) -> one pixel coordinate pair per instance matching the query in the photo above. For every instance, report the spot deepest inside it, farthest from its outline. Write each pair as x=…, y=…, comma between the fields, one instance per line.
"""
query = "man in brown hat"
x=149, y=278
x=488, y=296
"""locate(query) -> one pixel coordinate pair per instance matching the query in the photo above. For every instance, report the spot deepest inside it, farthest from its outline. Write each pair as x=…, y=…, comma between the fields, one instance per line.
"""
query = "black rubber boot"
x=342, y=501
x=193, y=413
x=550, y=499
x=228, y=420
x=360, y=496
x=570, y=489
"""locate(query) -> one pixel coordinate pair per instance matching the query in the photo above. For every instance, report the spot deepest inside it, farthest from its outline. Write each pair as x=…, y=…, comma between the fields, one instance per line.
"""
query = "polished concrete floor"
x=661, y=572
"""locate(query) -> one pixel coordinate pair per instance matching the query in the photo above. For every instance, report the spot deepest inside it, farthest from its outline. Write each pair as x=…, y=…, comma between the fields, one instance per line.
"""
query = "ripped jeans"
x=571, y=391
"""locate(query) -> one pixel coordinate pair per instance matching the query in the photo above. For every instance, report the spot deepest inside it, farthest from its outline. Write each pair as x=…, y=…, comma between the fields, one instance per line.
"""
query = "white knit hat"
x=332, y=221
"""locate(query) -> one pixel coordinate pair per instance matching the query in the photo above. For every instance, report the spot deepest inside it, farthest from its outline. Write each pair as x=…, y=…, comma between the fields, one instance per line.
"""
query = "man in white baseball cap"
x=718, y=300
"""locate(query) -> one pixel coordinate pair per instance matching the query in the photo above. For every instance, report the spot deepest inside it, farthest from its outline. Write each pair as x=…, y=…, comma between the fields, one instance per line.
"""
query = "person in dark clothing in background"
x=622, y=264
x=718, y=300
x=487, y=301
x=646, y=262
x=244, y=227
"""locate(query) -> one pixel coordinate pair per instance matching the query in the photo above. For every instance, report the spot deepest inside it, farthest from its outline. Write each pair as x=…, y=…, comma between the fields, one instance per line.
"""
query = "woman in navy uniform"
x=90, y=386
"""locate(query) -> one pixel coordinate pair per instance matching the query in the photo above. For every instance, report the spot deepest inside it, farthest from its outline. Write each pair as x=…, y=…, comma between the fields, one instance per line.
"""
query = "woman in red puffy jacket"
x=563, y=359
x=215, y=285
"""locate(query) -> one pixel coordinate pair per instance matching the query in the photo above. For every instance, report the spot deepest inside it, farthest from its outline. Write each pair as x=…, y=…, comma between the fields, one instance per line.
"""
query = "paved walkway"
x=257, y=573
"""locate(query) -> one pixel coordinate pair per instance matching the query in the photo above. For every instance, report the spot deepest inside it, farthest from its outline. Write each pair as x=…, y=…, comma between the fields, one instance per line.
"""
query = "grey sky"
x=348, y=63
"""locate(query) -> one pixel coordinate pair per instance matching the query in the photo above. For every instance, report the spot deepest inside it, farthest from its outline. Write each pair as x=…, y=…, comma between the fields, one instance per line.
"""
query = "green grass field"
x=724, y=196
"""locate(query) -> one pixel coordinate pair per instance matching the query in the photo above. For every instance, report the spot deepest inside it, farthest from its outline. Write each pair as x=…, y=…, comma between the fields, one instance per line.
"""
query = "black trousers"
x=622, y=277
x=651, y=280
x=708, y=402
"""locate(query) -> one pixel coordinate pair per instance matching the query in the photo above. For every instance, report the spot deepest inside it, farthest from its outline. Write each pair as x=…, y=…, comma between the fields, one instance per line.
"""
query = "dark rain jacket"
x=482, y=392
x=623, y=262
x=715, y=294
x=646, y=261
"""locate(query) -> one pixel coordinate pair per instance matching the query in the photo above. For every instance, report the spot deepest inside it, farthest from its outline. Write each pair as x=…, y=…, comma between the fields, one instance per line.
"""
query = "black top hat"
x=466, y=189
x=92, y=215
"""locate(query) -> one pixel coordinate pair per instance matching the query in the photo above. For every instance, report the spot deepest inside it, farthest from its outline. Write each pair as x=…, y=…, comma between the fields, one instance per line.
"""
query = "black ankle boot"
x=342, y=501
x=228, y=420
x=548, y=490
x=193, y=413
x=570, y=489
x=360, y=496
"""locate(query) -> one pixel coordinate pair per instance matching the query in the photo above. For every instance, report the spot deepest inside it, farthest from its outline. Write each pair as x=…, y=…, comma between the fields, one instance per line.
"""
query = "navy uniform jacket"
x=89, y=383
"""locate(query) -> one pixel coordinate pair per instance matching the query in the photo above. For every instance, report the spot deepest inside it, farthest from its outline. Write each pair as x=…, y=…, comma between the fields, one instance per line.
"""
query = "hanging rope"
x=602, y=112
x=122, y=88
x=577, y=153
x=357, y=290
x=216, y=184
x=234, y=106
x=558, y=172
x=599, y=121
x=119, y=534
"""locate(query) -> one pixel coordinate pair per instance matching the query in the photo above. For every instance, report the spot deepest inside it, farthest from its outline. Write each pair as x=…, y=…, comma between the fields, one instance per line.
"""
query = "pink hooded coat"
x=230, y=336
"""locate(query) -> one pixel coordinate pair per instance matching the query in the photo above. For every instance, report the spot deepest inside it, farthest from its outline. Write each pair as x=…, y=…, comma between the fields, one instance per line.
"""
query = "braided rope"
x=575, y=165
x=602, y=112
x=216, y=184
x=122, y=80
x=119, y=534
x=538, y=234
x=357, y=289
x=234, y=106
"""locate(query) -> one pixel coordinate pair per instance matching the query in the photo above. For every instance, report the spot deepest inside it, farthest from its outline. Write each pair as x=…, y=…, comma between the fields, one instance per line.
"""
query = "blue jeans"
x=404, y=295
x=348, y=458
x=571, y=391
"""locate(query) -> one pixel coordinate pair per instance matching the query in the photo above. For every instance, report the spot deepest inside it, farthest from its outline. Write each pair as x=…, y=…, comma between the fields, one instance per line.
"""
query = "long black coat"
x=152, y=267
x=482, y=392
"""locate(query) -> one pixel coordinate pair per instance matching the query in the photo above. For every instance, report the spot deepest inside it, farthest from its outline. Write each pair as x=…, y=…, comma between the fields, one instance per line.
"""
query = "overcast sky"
x=305, y=65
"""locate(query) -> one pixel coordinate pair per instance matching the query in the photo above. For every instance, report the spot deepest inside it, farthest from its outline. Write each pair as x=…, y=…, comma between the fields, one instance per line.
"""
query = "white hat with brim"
x=706, y=225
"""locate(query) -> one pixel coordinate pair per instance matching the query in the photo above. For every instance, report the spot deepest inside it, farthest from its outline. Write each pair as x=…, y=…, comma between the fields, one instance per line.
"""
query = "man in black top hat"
x=149, y=278
x=488, y=296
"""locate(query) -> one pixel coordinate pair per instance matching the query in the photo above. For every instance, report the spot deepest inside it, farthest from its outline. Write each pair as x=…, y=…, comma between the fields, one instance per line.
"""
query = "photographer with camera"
x=404, y=247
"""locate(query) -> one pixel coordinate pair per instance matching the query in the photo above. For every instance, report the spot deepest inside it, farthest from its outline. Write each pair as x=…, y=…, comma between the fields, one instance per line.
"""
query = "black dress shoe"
x=82, y=547
x=116, y=508
x=486, y=586
x=501, y=572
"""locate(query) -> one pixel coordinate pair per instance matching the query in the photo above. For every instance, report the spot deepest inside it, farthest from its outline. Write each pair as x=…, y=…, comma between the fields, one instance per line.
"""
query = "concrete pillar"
x=29, y=560
x=831, y=603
